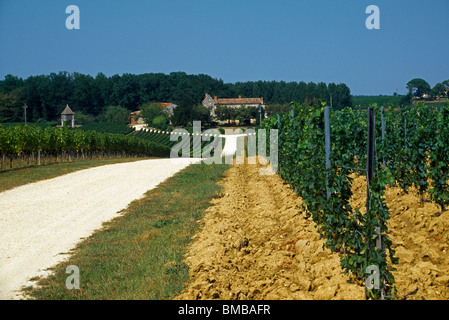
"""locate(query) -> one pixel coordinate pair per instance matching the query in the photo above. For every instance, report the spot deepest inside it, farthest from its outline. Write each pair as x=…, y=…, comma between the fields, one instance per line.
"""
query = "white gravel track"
x=230, y=146
x=41, y=222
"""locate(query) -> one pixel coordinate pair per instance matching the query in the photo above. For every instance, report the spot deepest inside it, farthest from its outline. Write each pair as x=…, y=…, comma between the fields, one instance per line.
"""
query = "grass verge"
x=139, y=255
x=11, y=178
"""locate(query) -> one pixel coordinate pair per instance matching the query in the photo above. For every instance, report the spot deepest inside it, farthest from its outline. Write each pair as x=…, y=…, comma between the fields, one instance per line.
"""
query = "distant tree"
x=151, y=110
x=222, y=113
x=125, y=91
x=340, y=94
x=248, y=113
x=160, y=122
x=83, y=118
x=84, y=92
x=446, y=84
x=182, y=113
x=10, y=83
x=439, y=90
x=47, y=95
x=114, y=114
x=200, y=113
x=277, y=108
x=418, y=87
x=11, y=106
x=405, y=100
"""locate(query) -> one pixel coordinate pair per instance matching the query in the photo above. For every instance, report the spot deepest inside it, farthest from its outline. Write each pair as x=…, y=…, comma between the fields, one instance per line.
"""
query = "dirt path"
x=257, y=244
x=41, y=222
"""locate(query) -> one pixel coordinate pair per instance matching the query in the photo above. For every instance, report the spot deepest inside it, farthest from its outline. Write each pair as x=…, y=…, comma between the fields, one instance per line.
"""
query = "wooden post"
x=405, y=129
x=378, y=239
x=371, y=149
x=327, y=139
x=370, y=170
x=383, y=134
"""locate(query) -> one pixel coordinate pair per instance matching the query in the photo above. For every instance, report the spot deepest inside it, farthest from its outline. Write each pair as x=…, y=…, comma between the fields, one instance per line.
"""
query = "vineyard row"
x=411, y=149
x=33, y=143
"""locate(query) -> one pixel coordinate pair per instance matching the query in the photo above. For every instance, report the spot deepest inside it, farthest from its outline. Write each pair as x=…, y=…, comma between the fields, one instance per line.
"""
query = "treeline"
x=47, y=95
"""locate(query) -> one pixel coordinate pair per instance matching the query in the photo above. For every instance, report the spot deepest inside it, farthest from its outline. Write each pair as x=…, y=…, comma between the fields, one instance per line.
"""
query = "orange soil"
x=257, y=244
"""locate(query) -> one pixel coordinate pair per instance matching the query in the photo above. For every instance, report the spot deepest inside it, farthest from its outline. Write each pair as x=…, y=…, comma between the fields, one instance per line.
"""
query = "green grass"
x=11, y=178
x=108, y=127
x=139, y=255
x=366, y=101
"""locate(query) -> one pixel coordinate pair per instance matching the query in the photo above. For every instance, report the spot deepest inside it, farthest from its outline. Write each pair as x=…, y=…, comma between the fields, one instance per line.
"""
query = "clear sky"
x=232, y=40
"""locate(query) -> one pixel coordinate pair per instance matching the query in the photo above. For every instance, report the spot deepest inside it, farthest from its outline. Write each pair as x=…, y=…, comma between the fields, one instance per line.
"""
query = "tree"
x=103, y=87
x=439, y=90
x=47, y=95
x=151, y=110
x=182, y=113
x=276, y=108
x=418, y=87
x=200, y=113
x=222, y=113
x=115, y=114
x=160, y=122
x=10, y=83
x=125, y=91
x=83, y=98
x=446, y=84
x=83, y=118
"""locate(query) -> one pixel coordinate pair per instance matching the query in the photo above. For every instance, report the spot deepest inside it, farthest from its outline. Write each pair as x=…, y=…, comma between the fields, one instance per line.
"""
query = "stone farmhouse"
x=212, y=103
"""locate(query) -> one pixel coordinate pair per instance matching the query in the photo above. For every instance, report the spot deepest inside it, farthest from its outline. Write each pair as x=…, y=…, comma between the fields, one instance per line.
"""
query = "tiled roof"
x=240, y=101
x=206, y=97
x=67, y=110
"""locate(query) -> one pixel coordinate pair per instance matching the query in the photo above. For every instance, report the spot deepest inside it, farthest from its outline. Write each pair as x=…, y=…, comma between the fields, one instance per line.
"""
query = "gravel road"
x=41, y=222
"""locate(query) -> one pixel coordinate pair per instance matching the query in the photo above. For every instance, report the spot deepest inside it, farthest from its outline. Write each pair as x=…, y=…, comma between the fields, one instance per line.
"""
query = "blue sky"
x=232, y=40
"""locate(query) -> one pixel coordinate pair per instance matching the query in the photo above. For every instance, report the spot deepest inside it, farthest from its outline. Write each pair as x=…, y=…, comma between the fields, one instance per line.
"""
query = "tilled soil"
x=256, y=243
x=420, y=235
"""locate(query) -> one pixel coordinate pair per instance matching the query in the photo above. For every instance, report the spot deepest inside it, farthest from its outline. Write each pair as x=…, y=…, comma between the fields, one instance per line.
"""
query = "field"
x=320, y=153
x=356, y=191
x=255, y=241
x=108, y=127
x=366, y=101
x=258, y=243
x=192, y=141
x=32, y=144
x=139, y=254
